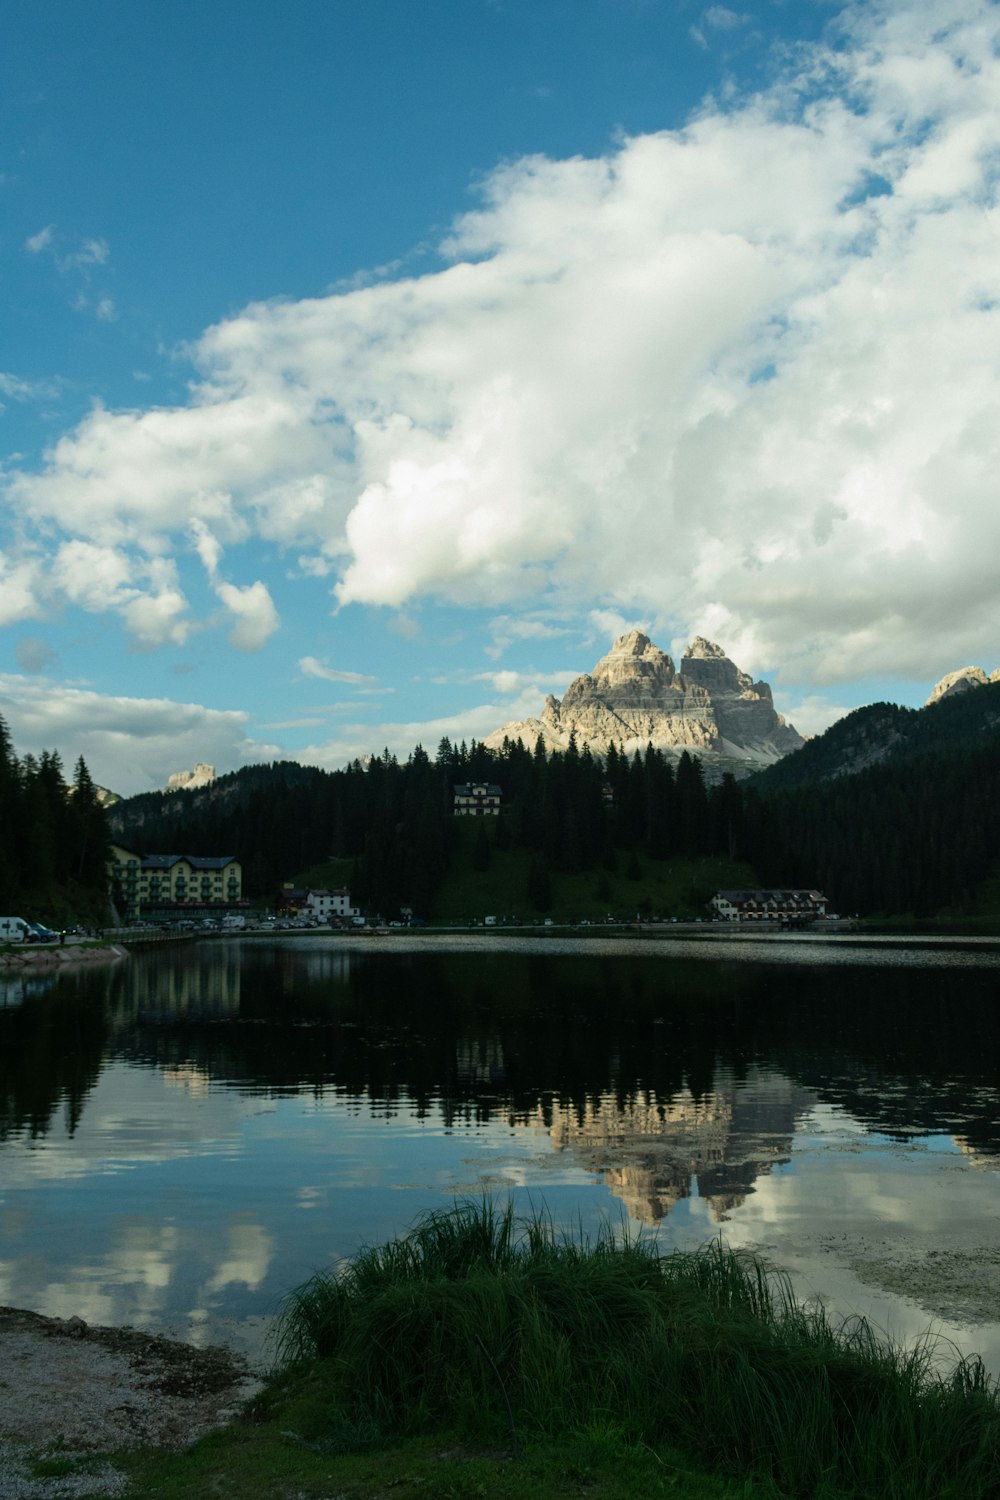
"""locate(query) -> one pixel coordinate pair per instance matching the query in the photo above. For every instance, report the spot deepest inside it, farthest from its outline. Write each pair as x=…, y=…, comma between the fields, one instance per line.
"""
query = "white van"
x=13, y=930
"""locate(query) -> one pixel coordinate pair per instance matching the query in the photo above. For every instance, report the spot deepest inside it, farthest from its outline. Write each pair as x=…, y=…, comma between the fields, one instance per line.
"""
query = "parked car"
x=39, y=933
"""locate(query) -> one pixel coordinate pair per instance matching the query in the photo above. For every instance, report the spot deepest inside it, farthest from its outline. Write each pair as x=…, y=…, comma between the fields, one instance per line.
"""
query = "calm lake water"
x=192, y=1132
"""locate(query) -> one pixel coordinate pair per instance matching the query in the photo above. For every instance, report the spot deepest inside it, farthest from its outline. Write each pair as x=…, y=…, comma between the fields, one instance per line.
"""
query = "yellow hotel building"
x=160, y=884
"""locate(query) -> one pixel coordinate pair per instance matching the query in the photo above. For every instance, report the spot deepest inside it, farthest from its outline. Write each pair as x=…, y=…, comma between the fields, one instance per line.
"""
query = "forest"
x=54, y=839
x=916, y=835
x=913, y=831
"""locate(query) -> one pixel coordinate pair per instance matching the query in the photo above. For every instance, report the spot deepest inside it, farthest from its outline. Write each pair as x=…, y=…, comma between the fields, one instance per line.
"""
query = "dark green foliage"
x=54, y=839
x=917, y=832
x=497, y=1325
x=539, y=889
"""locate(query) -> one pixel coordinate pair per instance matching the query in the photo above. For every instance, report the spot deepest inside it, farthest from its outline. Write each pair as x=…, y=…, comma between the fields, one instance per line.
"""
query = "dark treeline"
x=917, y=835
x=394, y=821
x=54, y=839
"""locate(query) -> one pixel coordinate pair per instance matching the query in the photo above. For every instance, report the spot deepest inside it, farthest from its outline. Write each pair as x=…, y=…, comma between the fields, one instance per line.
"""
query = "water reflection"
x=224, y=1117
x=654, y=1153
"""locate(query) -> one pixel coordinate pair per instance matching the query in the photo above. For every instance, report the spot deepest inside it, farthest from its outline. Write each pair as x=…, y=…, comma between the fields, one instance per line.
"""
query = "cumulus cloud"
x=130, y=744
x=609, y=624
x=742, y=372
x=143, y=591
x=255, y=617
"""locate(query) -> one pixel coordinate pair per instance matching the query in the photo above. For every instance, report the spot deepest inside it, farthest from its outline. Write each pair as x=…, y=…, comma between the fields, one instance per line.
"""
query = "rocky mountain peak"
x=963, y=680
x=635, y=696
x=702, y=650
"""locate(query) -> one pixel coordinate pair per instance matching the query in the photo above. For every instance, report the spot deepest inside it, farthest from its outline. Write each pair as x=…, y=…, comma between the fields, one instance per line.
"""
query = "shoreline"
x=49, y=955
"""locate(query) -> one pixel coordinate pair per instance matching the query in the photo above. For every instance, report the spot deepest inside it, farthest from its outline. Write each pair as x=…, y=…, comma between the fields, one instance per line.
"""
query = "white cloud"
x=19, y=584
x=356, y=740
x=742, y=372
x=311, y=666
x=40, y=241
x=507, y=629
x=130, y=744
x=610, y=624
x=256, y=618
x=92, y=252
x=143, y=591
x=19, y=389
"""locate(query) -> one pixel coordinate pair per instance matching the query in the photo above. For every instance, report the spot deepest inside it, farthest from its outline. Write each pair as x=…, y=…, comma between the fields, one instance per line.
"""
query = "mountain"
x=187, y=781
x=635, y=696
x=954, y=719
x=961, y=681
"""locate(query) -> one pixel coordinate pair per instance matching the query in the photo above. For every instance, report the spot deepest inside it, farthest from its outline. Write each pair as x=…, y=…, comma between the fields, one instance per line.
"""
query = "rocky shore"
x=49, y=955
x=69, y=1388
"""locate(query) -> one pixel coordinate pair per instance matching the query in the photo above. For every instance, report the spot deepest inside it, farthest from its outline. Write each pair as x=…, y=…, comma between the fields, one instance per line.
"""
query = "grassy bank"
x=650, y=887
x=483, y=1355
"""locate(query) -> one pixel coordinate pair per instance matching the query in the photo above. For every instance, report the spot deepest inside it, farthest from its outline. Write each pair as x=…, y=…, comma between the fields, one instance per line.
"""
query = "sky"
x=368, y=366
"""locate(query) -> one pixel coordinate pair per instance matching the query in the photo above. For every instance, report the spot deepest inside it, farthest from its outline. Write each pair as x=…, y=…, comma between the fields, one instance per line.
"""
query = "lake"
x=187, y=1134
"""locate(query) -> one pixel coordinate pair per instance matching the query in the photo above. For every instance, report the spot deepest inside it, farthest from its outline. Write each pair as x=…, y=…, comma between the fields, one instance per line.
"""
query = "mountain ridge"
x=636, y=696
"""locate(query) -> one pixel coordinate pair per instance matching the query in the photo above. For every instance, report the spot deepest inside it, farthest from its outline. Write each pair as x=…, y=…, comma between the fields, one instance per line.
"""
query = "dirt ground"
x=66, y=1388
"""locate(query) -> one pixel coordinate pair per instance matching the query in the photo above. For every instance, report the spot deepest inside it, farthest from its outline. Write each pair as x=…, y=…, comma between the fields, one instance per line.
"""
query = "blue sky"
x=367, y=367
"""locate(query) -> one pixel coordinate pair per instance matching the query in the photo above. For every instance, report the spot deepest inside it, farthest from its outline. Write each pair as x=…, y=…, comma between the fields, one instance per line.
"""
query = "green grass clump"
x=504, y=1330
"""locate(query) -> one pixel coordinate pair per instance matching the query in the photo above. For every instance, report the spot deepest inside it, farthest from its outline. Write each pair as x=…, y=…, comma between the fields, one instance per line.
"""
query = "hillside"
x=884, y=734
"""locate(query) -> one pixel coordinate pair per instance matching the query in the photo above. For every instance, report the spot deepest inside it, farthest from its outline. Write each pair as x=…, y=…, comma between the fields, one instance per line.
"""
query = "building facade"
x=161, y=885
x=322, y=905
x=477, y=799
x=782, y=906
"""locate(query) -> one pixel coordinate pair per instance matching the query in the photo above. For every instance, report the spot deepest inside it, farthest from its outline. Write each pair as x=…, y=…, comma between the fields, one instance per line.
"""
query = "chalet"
x=477, y=799
x=780, y=906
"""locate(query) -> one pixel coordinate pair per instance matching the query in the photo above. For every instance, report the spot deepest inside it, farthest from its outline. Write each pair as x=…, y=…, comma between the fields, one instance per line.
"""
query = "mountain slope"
x=884, y=733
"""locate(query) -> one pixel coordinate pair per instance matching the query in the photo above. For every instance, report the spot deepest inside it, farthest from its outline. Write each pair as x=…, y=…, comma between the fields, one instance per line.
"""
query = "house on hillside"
x=782, y=906
x=477, y=799
x=155, y=886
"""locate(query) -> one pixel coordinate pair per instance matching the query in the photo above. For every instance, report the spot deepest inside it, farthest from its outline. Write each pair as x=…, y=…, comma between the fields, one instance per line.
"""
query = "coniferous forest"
x=917, y=834
x=914, y=832
x=54, y=839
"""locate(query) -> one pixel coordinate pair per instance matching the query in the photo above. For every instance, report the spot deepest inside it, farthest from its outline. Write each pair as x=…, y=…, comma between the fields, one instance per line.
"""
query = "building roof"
x=762, y=897
x=196, y=861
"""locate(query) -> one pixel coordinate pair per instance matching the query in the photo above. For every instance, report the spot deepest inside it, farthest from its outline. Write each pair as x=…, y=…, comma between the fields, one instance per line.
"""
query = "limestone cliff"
x=635, y=696
x=187, y=781
x=961, y=681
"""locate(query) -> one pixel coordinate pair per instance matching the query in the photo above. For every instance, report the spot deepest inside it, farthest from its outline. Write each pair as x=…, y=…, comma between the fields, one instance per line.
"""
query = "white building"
x=477, y=798
x=769, y=905
x=329, y=906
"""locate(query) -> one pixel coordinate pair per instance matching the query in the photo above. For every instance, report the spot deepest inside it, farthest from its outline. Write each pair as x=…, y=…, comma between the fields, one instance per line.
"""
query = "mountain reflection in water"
x=674, y=1081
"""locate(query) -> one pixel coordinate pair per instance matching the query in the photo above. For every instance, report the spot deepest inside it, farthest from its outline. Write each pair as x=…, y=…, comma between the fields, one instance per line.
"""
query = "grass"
x=270, y=1460
x=483, y=1355
x=508, y=1334
x=665, y=888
